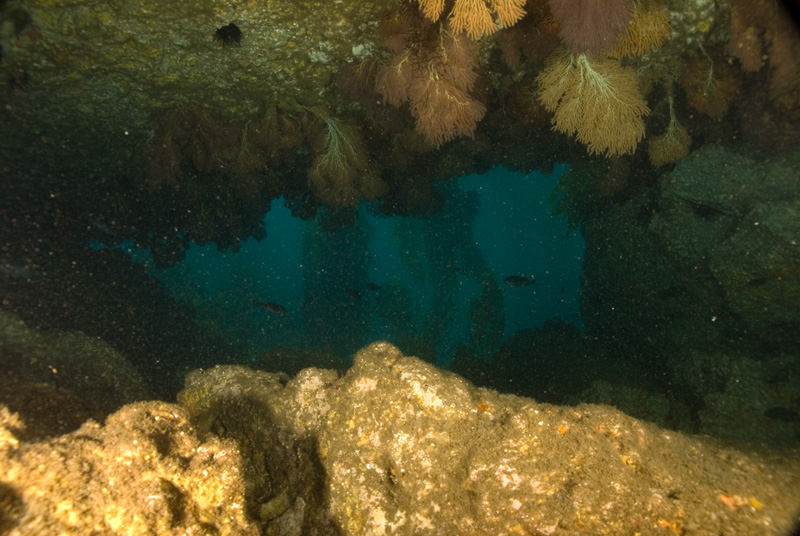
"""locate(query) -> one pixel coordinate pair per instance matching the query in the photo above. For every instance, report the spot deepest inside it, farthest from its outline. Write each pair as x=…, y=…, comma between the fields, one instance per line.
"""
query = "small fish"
x=519, y=281
x=373, y=287
x=354, y=293
x=271, y=307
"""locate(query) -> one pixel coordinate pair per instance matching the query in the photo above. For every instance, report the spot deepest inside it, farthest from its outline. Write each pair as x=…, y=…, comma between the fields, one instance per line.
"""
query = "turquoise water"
x=501, y=223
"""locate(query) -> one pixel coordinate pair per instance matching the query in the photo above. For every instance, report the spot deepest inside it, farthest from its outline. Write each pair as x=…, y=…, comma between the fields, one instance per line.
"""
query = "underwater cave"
x=374, y=265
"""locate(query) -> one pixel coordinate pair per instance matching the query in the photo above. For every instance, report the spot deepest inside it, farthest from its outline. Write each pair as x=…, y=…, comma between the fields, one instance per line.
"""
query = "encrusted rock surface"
x=117, y=62
x=147, y=471
x=395, y=446
x=406, y=448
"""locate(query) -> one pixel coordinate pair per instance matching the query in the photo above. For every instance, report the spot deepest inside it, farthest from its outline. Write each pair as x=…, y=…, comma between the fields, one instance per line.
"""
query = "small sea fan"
x=710, y=86
x=341, y=174
x=672, y=145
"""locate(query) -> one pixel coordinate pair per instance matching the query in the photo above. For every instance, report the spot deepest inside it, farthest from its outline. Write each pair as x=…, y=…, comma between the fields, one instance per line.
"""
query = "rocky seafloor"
x=394, y=446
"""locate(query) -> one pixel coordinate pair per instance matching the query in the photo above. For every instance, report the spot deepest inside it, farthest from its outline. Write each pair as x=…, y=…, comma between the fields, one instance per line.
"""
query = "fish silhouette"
x=519, y=281
x=271, y=307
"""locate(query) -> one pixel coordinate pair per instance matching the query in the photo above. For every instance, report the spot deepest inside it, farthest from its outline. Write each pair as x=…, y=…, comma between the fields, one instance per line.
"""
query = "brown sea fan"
x=435, y=75
x=443, y=110
x=439, y=93
x=393, y=79
x=710, y=86
x=591, y=25
x=596, y=99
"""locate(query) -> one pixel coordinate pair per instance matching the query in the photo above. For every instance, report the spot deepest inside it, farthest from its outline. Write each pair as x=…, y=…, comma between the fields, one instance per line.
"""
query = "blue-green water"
x=499, y=224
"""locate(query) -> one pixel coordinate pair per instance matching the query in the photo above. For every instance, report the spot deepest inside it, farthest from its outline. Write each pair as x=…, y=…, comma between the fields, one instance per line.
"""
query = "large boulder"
x=147, y=471
x=395, y=446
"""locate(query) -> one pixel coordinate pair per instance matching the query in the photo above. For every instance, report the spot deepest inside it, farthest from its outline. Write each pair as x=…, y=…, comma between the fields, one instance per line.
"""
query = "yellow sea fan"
x=596, y=99
x=672, y=145
x=431, y=8
x=472, y=16
x=475, y=16
x=647, y=29
x=508, y=11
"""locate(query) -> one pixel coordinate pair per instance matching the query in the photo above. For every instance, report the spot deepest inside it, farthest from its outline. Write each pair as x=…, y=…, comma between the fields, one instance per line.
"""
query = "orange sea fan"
x=453, y=60
x=508, y=11
x=432, y=8
x=670, y=146
x=647, y=30
x=596, y=99
x=475, y=17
